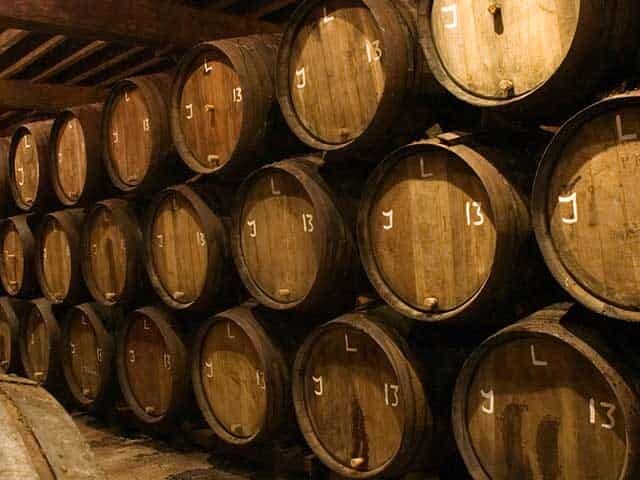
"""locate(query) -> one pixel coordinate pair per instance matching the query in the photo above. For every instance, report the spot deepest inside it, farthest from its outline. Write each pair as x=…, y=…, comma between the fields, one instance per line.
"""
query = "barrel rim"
x=161, y=144
x=18, y=134
x=214, y=230
x=389, y=99
x=7, y=306
x=244, y=319
x=441, y=74
x=69, y=227
x=161, y=317
x=46, y=313
x=20, y=224
x=315, y=187
x=549, y=160
x=531, y=327
x=469, y=157
x=54, y=139
x=398, y=360
x=105, y=343
x=122, y=211
x=177, y=87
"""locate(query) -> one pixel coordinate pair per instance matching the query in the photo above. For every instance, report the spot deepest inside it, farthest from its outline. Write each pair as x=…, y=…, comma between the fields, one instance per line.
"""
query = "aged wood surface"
x=47, y=97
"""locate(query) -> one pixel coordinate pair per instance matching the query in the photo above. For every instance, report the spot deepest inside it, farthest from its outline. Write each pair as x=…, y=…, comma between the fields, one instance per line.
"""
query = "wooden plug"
x=149, y=410
x=430, y=303
x=110, y=295
x=494, y=8
x=285, y=292
x=507, y=87
x=236, y=428
x=356, y=462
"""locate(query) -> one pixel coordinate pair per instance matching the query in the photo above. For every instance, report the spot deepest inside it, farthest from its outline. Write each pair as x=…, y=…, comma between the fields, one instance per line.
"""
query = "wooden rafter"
x=140, y=22
x=10, y=38
x=271, y=7
x=24, y=95
x=32, y=57
x=88, y=50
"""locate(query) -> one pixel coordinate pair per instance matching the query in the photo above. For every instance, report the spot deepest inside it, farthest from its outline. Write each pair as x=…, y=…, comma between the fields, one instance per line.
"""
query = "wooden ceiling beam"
x=32, y=57
x=79, y=55
x=10, y=38
x=271, y=7
x=120, y=58
x=24, y=95
x=143, y=22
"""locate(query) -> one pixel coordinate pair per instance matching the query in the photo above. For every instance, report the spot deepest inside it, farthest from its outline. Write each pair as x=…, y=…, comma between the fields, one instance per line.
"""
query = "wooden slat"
x=11, y=37
x=123, y=57
x=32, y=57
x=130, y=72
x=69, y=61
x=143, y=22
x=24, y=95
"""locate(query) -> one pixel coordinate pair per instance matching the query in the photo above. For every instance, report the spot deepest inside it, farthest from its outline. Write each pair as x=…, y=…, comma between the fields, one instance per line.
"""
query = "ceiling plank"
x=143, y=22
x=10, y=38
x=71, y=60
x=32, y=57
x=133, y=71
x=123, y=57
x=24, y=95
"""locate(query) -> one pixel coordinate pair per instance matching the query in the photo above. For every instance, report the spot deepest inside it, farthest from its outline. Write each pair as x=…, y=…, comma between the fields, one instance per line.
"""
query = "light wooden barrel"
x=349, y=72
x=151, y=360
x=546, y=398
x=11, y=314
x=17, y=272
x=29, y=160
x=223, y=106
x=112, y=249
x=88, y=350
x=363, y=400
x=58, y=256
x=241, y=376
x=187, y=250
x=40, y=345
x=444, y=233
x=292, y=243
x=137, y=146
x=528, y=57
x=6, y=201
x=38, y=439
x=77, y=172
x=585, y=200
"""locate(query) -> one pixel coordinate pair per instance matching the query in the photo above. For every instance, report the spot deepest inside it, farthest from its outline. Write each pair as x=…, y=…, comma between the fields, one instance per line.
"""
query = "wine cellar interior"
x=320, y=239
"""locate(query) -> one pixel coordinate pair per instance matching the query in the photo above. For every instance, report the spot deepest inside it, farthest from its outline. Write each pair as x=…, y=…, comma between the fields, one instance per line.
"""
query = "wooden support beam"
x=11, y=37
x=142, y=22
x=69, y=61
x=24, y=95
x=32, y=57
x=124, y=56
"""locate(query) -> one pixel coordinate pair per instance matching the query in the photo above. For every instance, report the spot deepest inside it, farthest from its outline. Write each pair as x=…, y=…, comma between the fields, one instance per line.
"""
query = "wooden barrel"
x=76, y=155
x=241, y=377
x=39, y=439
x=292, y=244
x=58, y=256
x=547, y=399
x=223, y=107
x=6, y=202
x=151, y=360
x=11, y=312
x=442, y=231
x=29, y=159
x=584, y=198
x=363, y=400
x=88, y=349
x=112, y=249
x=137, y=146
x=526, y=56
x=40, y=345
x=188, y=256
x=349, y=72
x=17, y=272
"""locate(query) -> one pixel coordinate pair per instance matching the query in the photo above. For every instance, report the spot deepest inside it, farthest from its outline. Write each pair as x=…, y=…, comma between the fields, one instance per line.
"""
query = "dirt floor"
x=129, y=455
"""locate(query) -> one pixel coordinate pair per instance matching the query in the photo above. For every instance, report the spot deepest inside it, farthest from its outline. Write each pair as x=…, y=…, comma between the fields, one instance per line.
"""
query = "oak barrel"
x=6, y=201
x=349, y=73
x=29, y=161
x=187, y=250
x=112, y=250
x=585, y=199
x=524, y=56
x=367, y=403
x=224, y=114
x=38, y=439
x=88, y=349
x=17, y=272
x=40, y=345
x=137, y=148
x=548, y=398
x=58, y=256
x=241, y=374
x=152, y=366
x=444, y=231
x=292, y=243
x=77, y=172
x=11, y=314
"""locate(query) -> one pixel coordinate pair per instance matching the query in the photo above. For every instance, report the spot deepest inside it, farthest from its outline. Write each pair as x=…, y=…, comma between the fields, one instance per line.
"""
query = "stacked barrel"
x=301, y=238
